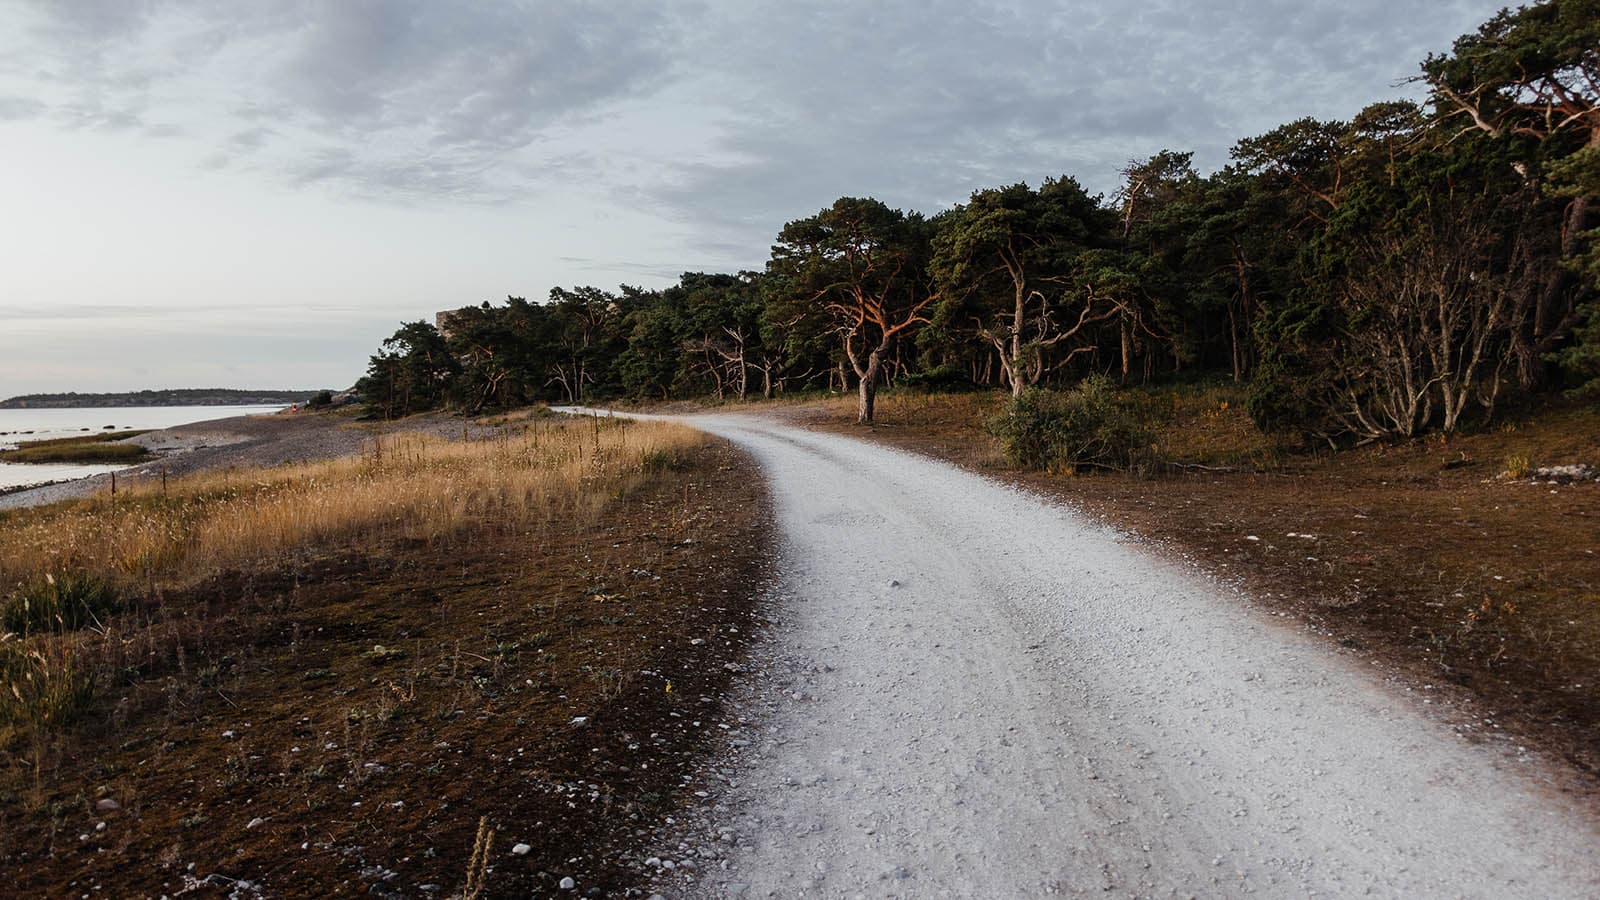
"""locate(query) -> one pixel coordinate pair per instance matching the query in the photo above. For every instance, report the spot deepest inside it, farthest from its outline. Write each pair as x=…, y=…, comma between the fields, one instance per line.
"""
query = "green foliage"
x=1010, y=262
x=1533, y=69
x=412, y=373
x=1091, y=425
x=944, y=379
x=320, y=400
x=1578, y=177
x=64, y=602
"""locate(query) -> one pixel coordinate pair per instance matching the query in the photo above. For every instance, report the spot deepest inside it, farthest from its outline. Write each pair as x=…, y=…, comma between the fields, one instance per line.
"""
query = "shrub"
x=66, y=602
x=1088, y=426
x=320, y=400
x=938, y=380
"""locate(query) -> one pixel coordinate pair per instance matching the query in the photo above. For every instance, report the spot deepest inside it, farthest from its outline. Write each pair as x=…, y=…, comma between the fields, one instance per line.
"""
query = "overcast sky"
x=247, y=193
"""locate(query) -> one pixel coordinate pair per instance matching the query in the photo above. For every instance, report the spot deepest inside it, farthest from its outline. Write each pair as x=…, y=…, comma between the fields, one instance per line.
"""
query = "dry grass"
x=153, y=539
x=413, y=486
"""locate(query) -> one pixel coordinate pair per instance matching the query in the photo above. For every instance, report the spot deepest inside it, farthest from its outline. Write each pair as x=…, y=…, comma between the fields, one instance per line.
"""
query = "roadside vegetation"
x=320, y=678
x=109, y=447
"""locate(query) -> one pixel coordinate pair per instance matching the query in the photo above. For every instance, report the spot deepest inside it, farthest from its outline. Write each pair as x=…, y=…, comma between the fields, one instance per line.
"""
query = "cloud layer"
x=762, y=106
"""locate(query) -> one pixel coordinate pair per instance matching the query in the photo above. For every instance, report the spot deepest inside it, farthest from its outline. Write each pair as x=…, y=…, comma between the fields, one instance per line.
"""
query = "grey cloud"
x=918, y=103
x=415, y=96
x=77, y=311
x=915, y=102
x=14, y=108
x=662, y=271
x=250, y=139
x=92, y=21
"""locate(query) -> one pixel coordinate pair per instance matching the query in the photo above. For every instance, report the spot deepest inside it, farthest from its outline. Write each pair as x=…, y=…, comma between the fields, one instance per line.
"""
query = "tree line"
x=1367, y=279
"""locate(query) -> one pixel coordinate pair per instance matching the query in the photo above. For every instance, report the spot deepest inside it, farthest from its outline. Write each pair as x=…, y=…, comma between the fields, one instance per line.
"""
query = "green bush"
x=66, y=602
x=1090, y=426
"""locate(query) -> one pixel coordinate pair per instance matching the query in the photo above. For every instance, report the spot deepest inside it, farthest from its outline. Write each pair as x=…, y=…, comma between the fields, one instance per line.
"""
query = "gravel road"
x=968, y=691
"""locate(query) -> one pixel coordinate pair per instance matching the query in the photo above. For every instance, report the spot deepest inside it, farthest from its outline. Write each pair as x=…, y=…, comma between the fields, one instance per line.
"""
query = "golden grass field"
x=68, y=571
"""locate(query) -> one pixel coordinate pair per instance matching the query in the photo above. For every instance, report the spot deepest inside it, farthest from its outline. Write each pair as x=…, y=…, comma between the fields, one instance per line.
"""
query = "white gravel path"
x=971, y=692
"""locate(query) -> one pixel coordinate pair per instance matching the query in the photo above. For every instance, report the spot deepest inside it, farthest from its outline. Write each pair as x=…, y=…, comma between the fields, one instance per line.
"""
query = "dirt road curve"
x=976, y=693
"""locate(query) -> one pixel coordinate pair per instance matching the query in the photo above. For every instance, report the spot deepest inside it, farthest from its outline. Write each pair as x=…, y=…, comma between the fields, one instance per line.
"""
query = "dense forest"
x=1376, y=278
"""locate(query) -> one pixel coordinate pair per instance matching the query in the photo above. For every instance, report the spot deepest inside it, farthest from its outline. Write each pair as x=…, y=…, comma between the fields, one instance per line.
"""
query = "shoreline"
x=236, y=441
x=244, y=441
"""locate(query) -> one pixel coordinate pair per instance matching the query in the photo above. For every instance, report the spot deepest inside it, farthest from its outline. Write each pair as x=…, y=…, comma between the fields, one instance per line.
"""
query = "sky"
x=249, y=193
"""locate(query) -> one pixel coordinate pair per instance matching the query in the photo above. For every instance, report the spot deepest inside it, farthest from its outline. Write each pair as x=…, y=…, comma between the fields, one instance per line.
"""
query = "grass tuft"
x=64, y=602
x=1517, y=466
x=42, y=685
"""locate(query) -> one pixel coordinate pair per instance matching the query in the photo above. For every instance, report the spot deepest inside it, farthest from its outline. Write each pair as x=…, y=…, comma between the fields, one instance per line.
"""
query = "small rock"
x=99, y=826
x=894, y=582
x=568, y=884
x=520, y=850
x=579, y=721
x=381, y=654
x=108, y=804
x=254, y=822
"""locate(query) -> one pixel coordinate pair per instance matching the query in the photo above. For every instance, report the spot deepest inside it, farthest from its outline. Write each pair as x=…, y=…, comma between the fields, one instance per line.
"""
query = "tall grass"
x=414, y=486
x=79, y=564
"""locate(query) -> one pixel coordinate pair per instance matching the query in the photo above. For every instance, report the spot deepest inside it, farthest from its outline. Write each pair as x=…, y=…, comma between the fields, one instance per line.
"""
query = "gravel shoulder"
x=970, y=691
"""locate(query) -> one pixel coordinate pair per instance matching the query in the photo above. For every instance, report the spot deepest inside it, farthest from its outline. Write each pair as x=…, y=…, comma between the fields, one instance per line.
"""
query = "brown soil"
x=1480, y=592
x=342, y=729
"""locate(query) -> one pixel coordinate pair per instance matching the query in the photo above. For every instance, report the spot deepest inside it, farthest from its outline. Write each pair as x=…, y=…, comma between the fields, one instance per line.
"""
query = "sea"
x=44, y=424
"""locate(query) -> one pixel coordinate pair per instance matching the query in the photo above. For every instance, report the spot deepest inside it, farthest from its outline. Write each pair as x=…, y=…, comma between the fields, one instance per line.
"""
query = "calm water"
x=43, y=424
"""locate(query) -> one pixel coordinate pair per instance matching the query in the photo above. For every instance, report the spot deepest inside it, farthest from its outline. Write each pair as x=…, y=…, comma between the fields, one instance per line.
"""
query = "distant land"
x=174, y=397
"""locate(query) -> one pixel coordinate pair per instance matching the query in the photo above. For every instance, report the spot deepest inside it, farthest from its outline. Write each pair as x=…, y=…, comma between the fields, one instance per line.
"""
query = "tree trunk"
x=869, y=388
x=1127, y=349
